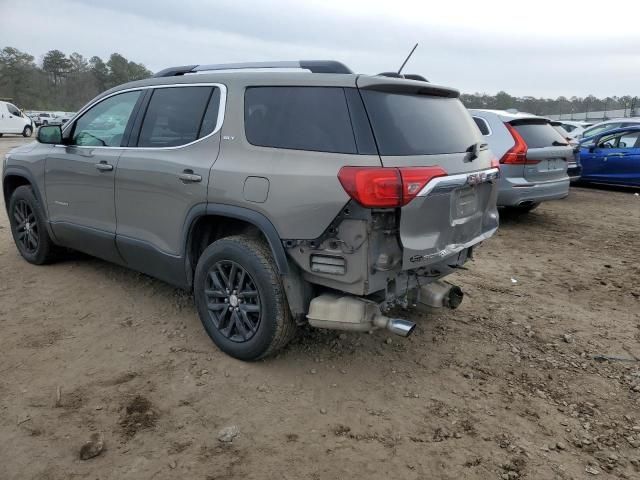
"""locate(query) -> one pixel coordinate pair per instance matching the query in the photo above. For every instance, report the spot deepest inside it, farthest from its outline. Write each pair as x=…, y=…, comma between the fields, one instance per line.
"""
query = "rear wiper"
x=474, y=150
x=556, y=143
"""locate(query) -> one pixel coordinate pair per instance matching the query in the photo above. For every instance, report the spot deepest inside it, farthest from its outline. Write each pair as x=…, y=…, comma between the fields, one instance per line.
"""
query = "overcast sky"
x=542, y=48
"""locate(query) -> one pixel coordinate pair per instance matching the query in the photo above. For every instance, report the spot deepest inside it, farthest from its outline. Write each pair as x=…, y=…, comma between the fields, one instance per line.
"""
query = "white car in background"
x=45, y=118
x=574, y=127
x=61, y=119
x=12, y=120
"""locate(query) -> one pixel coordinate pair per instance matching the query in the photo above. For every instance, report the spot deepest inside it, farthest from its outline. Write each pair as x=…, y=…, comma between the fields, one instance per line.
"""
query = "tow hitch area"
x=355, y=314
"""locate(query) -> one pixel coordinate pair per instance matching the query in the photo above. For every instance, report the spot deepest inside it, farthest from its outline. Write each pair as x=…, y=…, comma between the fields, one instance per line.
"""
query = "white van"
x=12, y=120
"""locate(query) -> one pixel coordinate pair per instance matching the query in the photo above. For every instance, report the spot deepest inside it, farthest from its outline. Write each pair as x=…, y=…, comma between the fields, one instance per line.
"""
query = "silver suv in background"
x=278, y=198
x=533, y=157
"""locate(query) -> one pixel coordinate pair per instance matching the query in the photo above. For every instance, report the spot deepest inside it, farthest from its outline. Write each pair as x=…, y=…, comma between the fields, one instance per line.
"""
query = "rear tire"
x=29, y=227
x=240, y=298
x=27, y=132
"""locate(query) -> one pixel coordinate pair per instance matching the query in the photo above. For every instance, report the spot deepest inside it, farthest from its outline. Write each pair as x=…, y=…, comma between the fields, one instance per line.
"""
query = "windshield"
x=407, y=124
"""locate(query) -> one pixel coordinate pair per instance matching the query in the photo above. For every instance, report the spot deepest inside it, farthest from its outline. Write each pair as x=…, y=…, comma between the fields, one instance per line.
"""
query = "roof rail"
x=315, y=66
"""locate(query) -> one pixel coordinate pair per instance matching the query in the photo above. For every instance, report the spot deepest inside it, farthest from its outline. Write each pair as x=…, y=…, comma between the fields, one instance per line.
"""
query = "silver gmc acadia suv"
x=280, y=193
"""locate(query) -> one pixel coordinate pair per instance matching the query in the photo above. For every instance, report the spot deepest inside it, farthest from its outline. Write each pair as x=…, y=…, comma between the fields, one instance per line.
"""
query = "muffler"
x=354, y=314
x=440, y=294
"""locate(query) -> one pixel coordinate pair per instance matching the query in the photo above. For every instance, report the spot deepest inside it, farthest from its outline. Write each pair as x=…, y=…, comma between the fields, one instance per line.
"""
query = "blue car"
x=612, y=157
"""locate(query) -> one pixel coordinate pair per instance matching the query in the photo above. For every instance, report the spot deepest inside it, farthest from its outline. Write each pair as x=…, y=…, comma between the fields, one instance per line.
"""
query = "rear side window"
x=600, y=129
x=299, y=118
x=407, y=124
x=482, y=125
x=175, y=116
x=539, y=134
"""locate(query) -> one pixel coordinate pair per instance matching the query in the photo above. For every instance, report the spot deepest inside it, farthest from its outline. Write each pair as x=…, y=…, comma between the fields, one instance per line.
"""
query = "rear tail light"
x=380, y=187
x=516, y=155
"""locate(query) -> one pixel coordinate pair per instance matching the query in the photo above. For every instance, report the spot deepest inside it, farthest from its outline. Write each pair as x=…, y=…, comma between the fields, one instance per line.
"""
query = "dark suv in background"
x=279, y=198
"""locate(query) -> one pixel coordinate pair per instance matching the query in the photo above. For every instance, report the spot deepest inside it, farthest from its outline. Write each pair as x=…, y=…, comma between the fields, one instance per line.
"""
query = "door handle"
x=104, y=167
x=188, y=176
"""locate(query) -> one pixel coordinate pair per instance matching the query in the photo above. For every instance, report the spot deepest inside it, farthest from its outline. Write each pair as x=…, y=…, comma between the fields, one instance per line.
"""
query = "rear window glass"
x=482, y=125
x=406, y=124
x=174, y=116
x=299, y=118
x=539, y=135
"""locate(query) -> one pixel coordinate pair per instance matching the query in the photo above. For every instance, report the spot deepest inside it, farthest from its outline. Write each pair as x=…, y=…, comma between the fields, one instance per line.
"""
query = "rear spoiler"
x=404, y=85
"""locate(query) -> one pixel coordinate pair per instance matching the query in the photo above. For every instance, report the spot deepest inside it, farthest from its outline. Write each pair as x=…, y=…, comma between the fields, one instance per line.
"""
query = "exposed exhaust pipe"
x=401, y=327
x=354, y=314
x=404, y=328
x=440, y=294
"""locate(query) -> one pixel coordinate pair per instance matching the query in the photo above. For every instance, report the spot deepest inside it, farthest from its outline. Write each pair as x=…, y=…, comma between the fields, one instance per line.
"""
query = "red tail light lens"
x=379, y=187
x=517, y=155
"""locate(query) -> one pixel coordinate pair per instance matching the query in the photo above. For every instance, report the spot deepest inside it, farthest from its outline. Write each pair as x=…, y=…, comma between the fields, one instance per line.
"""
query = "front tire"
x=27, y=132
x=29, y=228
x=240, y=298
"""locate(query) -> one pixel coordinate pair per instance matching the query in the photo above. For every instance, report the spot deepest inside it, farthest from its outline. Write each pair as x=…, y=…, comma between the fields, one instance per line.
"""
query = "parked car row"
x=608, y=152
x=49, y=118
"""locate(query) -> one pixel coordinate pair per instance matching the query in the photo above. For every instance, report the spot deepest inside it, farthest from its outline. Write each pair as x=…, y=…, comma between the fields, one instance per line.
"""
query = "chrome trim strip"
x=219, y=120
x=451, y=182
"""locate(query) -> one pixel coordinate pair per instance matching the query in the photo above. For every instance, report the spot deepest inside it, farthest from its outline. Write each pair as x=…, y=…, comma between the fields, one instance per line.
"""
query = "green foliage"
x=61, y=82
x=548, y=106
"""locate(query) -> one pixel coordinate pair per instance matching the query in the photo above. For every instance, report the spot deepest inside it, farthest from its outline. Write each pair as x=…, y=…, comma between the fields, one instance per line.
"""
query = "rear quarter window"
x=299, y=118
x=539, y=134
x=410, y=124
x=482, y=125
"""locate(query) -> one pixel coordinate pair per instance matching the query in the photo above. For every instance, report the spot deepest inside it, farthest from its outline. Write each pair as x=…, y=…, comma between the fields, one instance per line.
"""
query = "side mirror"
x=50, y=134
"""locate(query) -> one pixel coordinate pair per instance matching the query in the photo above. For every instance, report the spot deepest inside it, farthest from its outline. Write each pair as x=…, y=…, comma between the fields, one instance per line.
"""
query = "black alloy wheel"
x=28, y=235
x=233, y=302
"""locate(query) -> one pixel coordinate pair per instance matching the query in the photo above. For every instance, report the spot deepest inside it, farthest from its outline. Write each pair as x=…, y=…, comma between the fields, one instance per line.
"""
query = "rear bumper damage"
x=370, y=260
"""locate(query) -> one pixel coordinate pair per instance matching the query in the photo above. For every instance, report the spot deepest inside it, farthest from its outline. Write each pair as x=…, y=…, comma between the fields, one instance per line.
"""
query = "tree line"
x=61, y=82
x=551, y=106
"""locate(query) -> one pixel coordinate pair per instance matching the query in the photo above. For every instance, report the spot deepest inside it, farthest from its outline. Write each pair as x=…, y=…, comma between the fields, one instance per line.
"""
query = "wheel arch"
x=236, y=220
x=14, y=177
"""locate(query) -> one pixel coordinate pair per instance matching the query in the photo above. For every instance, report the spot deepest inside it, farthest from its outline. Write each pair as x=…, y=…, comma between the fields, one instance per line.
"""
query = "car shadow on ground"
x=606, y=187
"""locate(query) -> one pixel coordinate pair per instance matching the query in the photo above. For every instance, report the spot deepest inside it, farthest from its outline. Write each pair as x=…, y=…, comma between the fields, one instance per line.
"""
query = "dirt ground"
x=505, y=387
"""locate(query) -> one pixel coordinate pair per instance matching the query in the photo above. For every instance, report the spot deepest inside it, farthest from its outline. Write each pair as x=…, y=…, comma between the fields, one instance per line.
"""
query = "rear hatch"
x=548, y=153
x=416, y=125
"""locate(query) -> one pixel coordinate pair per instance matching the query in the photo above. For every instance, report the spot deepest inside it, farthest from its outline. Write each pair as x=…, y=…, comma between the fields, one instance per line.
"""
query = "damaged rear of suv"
x=278, y=197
